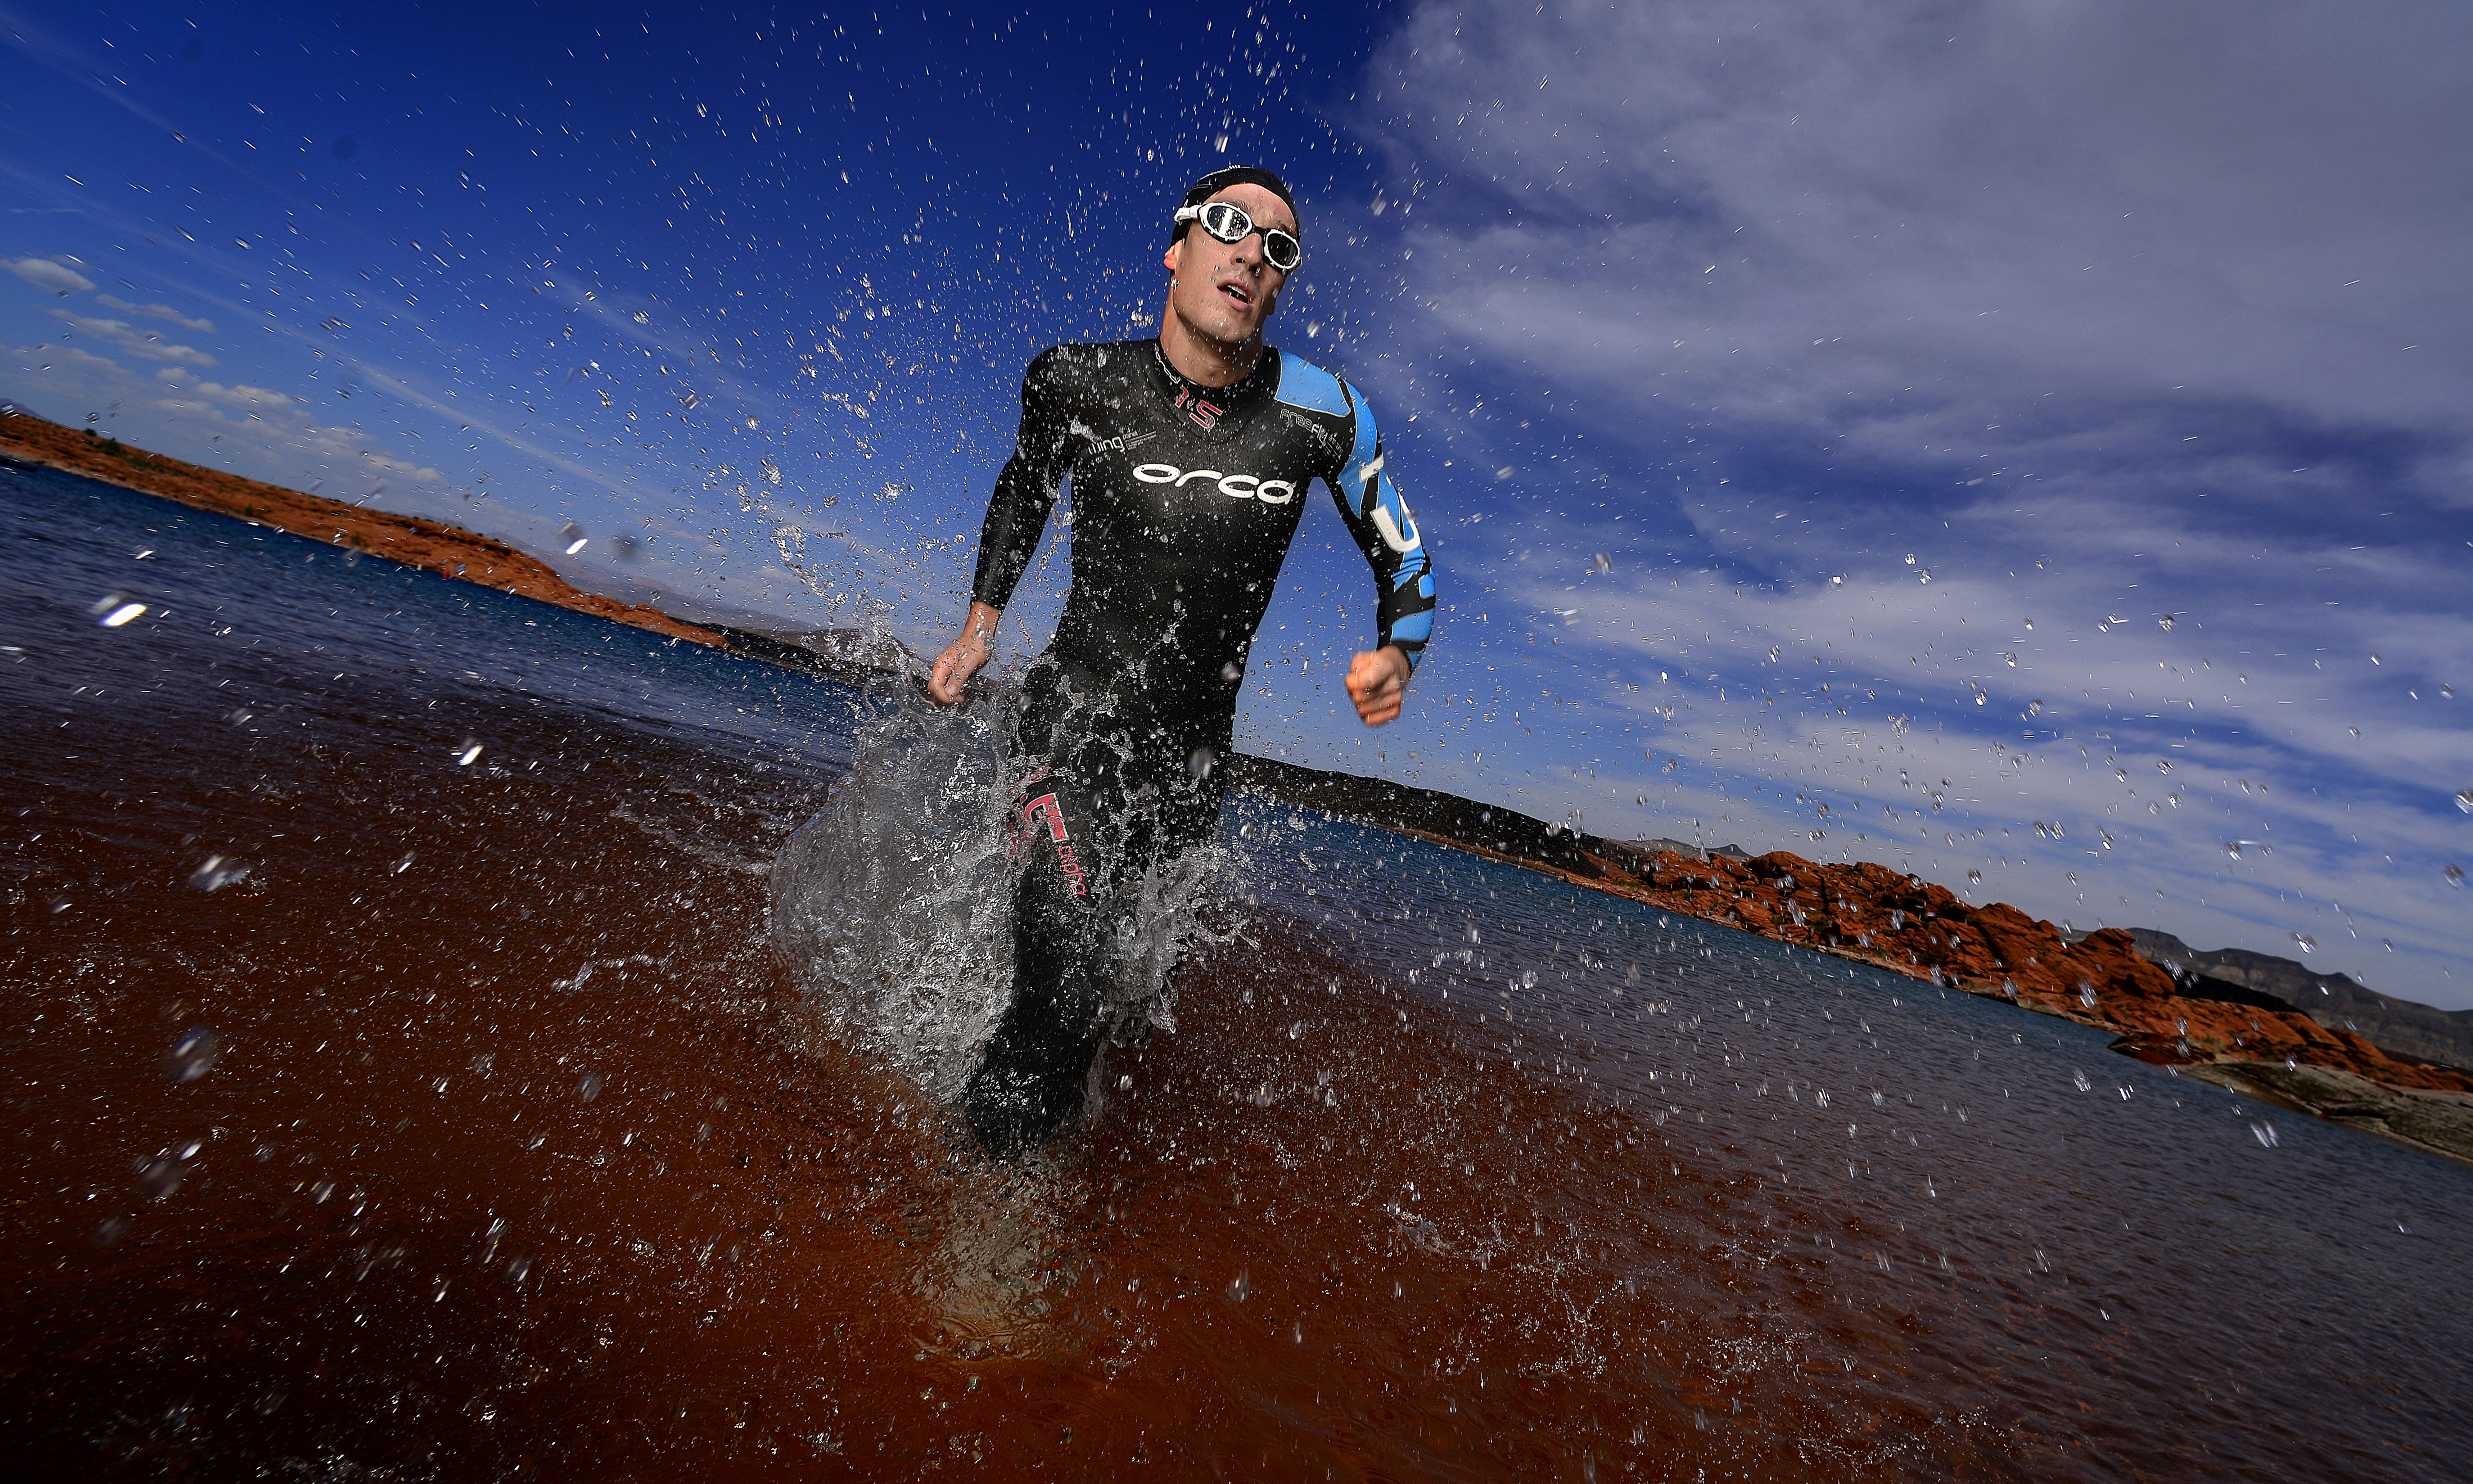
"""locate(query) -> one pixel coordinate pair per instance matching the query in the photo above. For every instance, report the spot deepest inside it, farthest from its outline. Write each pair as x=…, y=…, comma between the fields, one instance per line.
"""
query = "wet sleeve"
x=1386, y=532
x=1026, y=488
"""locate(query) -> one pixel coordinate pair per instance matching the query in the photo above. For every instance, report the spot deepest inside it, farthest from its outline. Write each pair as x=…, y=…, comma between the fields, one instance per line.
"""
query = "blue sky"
x=1893, y=431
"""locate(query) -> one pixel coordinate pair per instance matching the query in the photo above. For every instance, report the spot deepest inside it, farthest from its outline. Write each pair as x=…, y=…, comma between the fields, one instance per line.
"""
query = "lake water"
x=383, y=1108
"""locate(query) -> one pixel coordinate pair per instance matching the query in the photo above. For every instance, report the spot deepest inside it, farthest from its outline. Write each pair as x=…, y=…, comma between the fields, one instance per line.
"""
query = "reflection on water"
x=461, y=1122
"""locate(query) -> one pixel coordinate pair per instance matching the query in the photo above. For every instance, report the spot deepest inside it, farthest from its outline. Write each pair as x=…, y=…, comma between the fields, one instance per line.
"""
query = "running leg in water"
x=1095, y=820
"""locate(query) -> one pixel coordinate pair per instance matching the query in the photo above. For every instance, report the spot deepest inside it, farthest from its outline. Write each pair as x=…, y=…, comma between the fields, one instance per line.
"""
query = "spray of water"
x=892, y=908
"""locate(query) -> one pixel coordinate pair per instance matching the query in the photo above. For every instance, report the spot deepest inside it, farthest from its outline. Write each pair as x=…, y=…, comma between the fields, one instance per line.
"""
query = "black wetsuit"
x=1185, y=500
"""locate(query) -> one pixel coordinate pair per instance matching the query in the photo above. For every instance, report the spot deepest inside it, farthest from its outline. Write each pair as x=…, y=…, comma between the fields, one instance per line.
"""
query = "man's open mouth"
x=1236, y=292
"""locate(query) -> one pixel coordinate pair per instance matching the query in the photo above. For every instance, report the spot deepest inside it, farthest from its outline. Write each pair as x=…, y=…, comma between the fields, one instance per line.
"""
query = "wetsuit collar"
x=1204, y=406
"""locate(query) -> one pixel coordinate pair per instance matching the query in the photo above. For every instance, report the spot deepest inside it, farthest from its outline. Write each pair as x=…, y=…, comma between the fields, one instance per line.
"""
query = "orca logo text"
x=1237, y=486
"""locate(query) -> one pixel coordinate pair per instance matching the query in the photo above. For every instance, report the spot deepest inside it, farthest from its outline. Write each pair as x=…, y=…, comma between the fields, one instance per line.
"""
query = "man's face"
x=1224, y=291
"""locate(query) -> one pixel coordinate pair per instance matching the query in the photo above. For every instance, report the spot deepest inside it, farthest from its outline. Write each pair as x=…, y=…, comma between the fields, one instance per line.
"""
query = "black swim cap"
x=1219, y=180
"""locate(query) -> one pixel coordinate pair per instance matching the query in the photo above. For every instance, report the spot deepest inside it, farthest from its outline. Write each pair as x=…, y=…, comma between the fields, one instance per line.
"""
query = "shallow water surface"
x=379, y=1111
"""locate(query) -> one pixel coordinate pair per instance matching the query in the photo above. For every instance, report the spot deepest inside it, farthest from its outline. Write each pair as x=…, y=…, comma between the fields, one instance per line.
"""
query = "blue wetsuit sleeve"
x=1386, y=532
x=1025, y=493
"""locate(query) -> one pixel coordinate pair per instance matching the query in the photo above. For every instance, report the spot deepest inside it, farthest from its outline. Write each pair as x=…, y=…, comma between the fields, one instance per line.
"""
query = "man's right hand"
x=965, y=656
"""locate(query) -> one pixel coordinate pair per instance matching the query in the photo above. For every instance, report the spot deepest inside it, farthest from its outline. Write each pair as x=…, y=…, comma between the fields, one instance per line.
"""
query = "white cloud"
x=251, y=430
x=121, y=335
x=44, y=274
x=2133, y=200
x=239, y=398
x=158, y=312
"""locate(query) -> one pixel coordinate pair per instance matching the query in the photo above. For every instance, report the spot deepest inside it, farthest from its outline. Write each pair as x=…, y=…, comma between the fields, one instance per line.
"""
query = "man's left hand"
x=1377, y=682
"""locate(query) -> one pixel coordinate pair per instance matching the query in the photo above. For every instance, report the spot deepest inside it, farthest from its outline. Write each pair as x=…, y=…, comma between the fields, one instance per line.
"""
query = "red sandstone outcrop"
x=1869, y=913
x=432, y=545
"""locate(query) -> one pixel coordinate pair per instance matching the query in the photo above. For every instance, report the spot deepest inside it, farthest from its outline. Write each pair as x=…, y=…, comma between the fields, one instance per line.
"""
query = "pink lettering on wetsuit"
x=1042, y=812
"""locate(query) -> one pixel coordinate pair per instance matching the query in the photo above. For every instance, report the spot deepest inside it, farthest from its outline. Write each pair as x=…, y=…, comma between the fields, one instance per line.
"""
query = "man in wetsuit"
x=1188, y=455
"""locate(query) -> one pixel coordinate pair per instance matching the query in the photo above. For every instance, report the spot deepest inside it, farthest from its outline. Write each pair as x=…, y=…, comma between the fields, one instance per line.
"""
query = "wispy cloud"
x=158, y=312
x=252, y=430
x=52, y=277
x=123, y=336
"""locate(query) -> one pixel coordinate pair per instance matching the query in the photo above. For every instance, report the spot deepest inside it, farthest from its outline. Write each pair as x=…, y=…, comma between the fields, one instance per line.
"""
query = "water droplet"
x=2305, y=943
x=1528, y=978
x=2086, y=994
x=1125, y=1083
x=1297, y=1031
x=470, y=755
x=115, y=614
x=751, y=424
x=589, y=1088
x=2464, y=800
x=194, y=1054
x=2035, y=709
x=1605, y=562
x=1199, y=762
x=2081, y=1078
x=573, y=536
x=2165, y=622
x=159, y=1176
x=2456, y=876
x=1241, y=1287
x=1974, y=877
x=217, y=873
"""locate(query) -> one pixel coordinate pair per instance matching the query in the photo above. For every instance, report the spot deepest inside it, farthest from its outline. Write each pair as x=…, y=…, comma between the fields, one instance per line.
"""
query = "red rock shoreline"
x=1868, y=914
x=432, y=545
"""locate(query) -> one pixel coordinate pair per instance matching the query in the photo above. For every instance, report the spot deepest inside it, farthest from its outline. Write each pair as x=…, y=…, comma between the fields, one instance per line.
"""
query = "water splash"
x=894, y=906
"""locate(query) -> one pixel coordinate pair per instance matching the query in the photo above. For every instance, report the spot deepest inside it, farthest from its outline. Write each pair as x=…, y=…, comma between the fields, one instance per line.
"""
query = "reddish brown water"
x=475, y=1133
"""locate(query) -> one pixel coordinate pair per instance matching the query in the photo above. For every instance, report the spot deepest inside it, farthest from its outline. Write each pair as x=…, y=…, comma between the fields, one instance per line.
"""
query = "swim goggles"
x=1227, y=221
